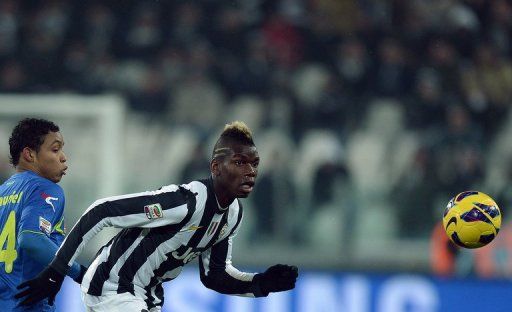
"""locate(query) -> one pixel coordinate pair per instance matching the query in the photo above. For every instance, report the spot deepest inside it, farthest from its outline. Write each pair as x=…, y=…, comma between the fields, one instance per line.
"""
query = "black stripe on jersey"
x=149, y=244
x=219, y=252
x=120, y=244
x=116, y=208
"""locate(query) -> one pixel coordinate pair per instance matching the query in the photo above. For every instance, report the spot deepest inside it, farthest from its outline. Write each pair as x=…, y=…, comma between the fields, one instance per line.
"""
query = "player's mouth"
x=247, y=186
x=64, y=171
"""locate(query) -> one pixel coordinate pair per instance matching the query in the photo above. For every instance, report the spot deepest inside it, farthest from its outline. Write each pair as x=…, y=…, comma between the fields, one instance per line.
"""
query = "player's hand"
x=81, y=275
x=279, y=277
x=45, y=285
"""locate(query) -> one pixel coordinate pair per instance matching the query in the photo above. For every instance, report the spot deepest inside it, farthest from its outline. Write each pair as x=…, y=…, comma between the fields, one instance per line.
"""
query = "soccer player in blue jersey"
x=32, y=209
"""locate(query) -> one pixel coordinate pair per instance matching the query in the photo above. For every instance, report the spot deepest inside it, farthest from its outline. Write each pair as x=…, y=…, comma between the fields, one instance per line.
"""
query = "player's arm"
x=169, y=205
x=40, y=248
x=218, y=273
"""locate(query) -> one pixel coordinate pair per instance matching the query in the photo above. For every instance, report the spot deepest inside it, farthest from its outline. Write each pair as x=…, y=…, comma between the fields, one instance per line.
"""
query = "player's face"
x=50, y=160
x=238, y=171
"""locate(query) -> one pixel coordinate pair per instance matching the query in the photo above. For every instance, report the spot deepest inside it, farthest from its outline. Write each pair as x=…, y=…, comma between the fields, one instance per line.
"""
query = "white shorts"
x=124, y=302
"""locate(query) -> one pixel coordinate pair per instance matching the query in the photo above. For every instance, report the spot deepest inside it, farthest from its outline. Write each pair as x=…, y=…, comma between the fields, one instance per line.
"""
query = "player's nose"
x=252, y=171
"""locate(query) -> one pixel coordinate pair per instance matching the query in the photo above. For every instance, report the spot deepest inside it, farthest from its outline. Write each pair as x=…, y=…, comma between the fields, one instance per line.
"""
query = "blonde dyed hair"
x=237, y=128
x=236, y=132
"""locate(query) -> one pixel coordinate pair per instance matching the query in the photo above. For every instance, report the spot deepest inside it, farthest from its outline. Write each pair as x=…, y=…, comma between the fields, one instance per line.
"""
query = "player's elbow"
x=33, y=244
x=213, y=282
x=25, y=241
x=207, y=281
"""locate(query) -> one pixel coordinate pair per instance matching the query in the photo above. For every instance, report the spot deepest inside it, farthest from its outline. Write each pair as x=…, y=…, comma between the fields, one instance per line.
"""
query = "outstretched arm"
x=218, y=273
x=147, y=209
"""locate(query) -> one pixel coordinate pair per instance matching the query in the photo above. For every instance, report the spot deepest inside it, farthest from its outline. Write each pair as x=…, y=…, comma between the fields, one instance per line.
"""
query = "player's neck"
x=22, y=167
x=219, y=205
x=223, y=201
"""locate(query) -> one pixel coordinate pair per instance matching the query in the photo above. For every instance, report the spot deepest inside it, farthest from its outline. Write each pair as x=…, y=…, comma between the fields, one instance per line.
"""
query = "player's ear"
x=28, y=154
x=214, y=167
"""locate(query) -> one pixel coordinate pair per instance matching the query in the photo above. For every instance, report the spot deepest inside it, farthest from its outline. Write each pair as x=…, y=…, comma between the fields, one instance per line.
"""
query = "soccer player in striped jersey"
x=31, y=209
x=162, y=231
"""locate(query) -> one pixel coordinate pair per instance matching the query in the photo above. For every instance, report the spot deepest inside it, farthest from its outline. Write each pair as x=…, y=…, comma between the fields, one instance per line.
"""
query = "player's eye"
x=238, y=162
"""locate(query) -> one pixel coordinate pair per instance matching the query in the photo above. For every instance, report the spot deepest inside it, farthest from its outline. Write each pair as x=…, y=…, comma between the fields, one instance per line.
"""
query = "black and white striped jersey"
x=162, y=231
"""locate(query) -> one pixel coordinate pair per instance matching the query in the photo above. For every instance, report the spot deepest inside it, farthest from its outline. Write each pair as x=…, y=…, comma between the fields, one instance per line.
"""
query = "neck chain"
x=218, y=205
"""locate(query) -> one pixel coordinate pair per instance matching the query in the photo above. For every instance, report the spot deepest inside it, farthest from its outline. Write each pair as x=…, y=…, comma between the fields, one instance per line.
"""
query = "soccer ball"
x=472, y=219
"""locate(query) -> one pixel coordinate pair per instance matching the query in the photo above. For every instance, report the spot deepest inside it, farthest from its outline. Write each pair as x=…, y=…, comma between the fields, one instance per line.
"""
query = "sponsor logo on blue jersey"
x=48, y=199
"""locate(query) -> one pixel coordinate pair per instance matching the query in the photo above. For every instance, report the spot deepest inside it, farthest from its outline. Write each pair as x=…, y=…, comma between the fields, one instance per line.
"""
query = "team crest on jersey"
x=223, y=230
x=45, y=225
x=154, y=211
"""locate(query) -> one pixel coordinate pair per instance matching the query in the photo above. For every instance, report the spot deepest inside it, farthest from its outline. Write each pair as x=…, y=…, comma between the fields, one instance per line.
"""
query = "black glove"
x=45, y=285
x=80, y=277
x=279, y=277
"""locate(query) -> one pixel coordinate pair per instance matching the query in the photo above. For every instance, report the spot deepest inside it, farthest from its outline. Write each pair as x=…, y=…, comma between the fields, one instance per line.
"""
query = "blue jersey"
x=28, y=203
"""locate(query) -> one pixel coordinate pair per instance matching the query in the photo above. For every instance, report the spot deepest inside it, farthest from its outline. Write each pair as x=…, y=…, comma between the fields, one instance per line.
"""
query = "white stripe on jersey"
x=88, y=236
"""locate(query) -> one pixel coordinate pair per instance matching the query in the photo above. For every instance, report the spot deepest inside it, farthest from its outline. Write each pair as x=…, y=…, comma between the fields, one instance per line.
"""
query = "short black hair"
x=236, y=132
x=29, y=132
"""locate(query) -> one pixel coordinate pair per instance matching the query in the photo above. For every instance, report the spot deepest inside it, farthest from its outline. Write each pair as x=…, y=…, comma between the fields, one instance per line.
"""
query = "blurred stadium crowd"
x=369, y=115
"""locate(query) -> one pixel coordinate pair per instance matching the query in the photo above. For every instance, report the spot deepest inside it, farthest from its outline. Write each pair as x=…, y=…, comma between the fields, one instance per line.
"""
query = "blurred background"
x=368, y=115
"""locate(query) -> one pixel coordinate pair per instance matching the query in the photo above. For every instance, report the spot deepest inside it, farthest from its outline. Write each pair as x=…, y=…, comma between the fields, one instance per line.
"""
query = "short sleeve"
x=43, y=210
